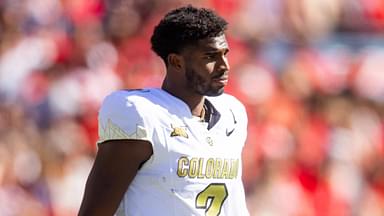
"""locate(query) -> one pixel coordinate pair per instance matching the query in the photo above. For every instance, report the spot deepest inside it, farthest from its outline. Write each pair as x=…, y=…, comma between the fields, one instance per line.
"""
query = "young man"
x=174, y=151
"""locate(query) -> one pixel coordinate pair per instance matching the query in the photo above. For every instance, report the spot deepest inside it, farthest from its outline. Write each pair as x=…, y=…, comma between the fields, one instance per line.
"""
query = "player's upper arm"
x=115, y=166
x=124, y=144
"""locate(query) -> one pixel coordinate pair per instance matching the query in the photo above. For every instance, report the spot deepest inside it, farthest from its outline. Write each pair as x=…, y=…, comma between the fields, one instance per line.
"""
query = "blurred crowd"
x=308, y=71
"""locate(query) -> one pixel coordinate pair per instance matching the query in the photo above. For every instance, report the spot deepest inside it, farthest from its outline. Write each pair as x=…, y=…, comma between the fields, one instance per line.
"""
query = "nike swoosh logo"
x=229, y=132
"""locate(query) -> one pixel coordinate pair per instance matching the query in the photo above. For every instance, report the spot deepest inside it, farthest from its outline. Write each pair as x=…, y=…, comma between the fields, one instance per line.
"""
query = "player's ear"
x=176, y=61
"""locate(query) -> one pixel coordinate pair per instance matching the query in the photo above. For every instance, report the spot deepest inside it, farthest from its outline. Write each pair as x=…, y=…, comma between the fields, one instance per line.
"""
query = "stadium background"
x=308, y=71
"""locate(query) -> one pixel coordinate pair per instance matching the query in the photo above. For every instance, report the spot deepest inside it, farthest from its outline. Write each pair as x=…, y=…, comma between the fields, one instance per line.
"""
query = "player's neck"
x=194, y=101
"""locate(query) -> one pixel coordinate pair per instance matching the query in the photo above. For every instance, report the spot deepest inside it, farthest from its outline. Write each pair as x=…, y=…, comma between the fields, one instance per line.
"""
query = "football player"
x=174, y=150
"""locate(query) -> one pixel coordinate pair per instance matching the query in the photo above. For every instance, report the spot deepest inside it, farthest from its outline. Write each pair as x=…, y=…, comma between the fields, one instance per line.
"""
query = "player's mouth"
x=223, y=79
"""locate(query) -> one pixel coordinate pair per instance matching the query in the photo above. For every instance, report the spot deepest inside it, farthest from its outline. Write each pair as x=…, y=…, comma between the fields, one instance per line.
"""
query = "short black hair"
x=185, y=26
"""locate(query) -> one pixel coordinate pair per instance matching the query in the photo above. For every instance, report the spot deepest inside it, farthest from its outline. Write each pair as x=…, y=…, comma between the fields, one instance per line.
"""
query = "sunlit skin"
x=200, y=69
x=207, y=67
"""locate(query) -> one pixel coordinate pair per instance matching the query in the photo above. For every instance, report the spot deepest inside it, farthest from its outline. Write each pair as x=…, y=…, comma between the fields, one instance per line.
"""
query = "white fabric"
x=190, y=164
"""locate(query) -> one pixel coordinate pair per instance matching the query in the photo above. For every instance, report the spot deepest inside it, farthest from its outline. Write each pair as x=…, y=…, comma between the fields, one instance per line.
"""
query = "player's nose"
x=223, y=64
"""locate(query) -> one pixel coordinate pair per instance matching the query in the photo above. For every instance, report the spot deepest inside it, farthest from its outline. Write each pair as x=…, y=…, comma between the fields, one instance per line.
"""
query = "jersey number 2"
x=212, y=198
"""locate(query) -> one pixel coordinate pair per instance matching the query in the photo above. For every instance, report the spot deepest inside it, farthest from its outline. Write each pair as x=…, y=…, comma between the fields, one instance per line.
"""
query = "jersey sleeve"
x=121, y=118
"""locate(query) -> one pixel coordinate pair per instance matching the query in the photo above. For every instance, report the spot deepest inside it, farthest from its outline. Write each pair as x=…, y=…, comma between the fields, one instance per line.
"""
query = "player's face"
x=207, y=66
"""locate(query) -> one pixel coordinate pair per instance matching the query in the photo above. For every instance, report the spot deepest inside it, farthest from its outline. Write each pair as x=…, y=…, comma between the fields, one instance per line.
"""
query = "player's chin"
x=213, y=92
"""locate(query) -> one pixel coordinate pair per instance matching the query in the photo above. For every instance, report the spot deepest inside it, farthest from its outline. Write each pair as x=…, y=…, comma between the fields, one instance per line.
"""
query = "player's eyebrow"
x=216, y=52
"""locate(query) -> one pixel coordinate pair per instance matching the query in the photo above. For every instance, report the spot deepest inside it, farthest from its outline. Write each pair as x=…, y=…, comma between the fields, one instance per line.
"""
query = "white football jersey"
x=195, y=168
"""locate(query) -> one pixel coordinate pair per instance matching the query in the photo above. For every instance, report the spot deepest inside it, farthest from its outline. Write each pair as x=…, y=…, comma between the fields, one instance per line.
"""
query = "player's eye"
x=210, y=56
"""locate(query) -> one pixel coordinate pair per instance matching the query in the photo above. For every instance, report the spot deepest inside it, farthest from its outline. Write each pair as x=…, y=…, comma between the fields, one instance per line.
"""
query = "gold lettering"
x=193, y=168
x=209, y=168
x=217, y=169
x=201, y=165
x=181, y=171
x=225, y=171
x=234, y=169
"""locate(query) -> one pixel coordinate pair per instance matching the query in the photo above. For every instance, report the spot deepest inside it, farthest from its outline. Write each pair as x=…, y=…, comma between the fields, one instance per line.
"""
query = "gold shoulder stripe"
x=112, y=131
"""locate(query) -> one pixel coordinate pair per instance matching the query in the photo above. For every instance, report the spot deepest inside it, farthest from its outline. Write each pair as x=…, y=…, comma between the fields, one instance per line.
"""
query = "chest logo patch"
x=179, y=131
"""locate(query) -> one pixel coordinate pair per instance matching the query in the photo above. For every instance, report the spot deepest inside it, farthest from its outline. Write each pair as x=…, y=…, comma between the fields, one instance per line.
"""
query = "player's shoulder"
x=129, y=96
x=227, y=101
